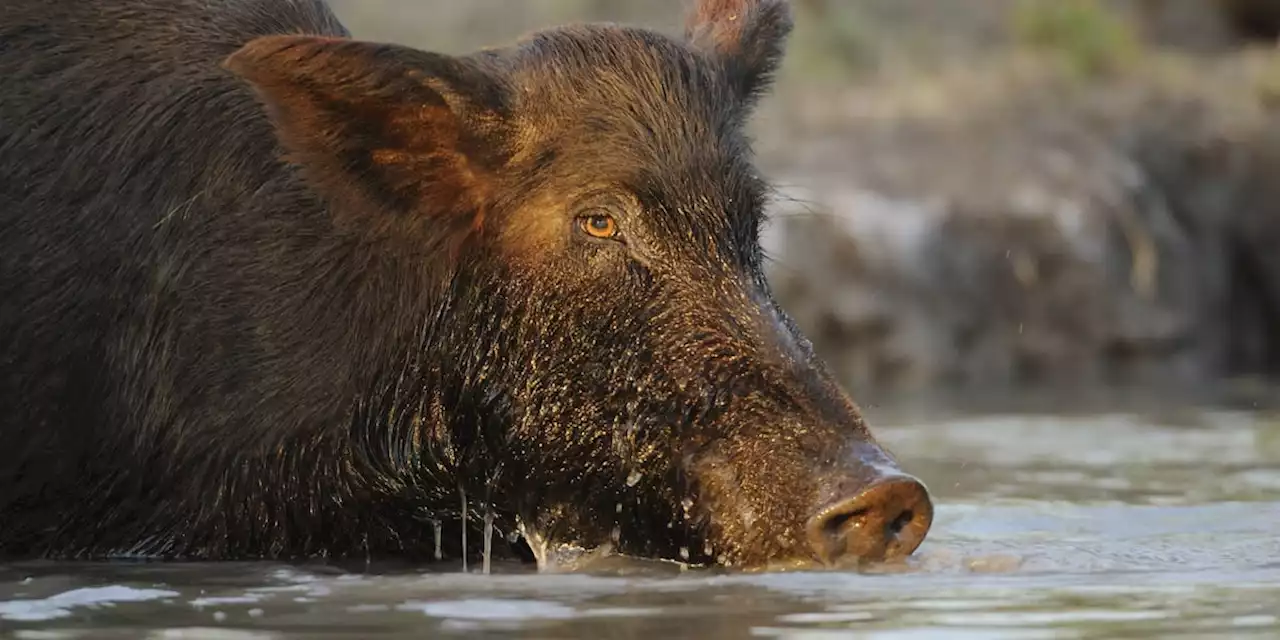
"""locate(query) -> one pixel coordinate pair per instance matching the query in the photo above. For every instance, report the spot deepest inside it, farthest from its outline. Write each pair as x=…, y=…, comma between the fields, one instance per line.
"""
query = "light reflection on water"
x=1046, y=527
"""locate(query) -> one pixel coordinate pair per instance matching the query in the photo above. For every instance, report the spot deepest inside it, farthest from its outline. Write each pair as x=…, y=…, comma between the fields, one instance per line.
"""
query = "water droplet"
x=633, y=479
x=684, y=553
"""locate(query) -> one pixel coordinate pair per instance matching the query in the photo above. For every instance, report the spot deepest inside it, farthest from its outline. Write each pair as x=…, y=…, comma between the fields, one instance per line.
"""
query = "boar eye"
x=599, y=225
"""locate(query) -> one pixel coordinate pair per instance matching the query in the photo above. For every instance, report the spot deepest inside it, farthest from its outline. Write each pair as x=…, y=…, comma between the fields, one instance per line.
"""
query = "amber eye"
x=599, y=225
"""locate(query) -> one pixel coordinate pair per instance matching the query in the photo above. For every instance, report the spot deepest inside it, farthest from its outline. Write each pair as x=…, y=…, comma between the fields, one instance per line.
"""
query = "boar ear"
x=747, y=35
x=387, y=134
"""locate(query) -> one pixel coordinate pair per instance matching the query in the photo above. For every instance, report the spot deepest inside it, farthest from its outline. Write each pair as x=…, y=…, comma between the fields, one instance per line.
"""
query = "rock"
x=1041, y=233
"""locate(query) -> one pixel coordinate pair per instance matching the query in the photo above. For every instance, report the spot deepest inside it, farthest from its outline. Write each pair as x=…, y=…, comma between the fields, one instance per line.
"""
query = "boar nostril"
x=837, y=522
x=886, y=521
x=894, y=528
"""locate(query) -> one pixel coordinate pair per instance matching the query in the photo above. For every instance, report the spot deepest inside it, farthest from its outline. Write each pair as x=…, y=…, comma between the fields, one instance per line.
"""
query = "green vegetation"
x=837, y=40
x=1086, y=36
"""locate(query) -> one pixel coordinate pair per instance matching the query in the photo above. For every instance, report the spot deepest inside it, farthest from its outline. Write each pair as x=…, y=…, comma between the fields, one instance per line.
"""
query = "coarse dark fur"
x=293, y=296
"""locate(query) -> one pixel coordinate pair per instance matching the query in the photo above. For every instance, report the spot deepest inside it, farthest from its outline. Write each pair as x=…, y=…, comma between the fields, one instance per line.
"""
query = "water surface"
x=1118, y=524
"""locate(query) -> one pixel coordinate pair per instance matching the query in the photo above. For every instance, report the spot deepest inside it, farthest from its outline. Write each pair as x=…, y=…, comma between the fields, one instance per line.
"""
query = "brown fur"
x=267, y=291
x=747, y=35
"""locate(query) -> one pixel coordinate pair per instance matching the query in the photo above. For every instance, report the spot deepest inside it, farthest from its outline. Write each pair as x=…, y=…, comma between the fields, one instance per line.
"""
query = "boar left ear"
x=747, y=35
x=389, y=135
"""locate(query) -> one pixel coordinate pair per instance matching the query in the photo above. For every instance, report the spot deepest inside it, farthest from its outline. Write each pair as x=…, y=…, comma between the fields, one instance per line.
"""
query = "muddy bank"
x=1008, y=226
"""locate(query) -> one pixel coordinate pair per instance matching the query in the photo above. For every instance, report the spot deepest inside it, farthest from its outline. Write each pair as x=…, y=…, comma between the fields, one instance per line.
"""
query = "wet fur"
x=288, y=299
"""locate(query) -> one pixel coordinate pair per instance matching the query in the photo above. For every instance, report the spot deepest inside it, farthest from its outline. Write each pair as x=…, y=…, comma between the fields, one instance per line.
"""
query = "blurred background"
x=1000, y=199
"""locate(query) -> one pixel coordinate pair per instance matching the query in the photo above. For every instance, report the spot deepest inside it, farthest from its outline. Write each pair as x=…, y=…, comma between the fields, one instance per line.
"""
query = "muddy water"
x=1104, y=525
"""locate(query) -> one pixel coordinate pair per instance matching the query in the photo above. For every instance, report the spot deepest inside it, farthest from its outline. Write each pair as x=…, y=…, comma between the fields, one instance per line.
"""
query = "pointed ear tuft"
x=749, y=36
x=390, y=136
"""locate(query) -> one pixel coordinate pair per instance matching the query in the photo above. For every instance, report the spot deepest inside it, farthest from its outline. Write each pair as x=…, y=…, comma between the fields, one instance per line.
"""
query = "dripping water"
x=463, y=491
x=368, y=557
x=488, y=536
x=435, y=524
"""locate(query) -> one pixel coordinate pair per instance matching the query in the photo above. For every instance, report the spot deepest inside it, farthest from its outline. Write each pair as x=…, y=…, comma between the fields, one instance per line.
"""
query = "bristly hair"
x=748, y=36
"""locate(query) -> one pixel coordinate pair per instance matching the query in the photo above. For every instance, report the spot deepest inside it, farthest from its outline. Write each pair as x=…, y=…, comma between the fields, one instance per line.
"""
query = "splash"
x=559, y=557
x=571, y=557
x=537, y=543
x=488, y=537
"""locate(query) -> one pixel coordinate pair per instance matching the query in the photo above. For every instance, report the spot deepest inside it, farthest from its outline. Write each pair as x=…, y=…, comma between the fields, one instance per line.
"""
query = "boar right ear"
x=747, y=35
x=385, y=132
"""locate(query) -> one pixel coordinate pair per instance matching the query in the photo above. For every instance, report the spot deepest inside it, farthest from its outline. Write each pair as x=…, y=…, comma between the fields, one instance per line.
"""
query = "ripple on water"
x=1044, y=527
x=63, y=604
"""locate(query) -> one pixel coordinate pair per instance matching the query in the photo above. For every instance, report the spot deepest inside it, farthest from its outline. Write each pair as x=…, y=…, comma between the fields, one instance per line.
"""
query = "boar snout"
x=871, y=510
x=886, y=521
